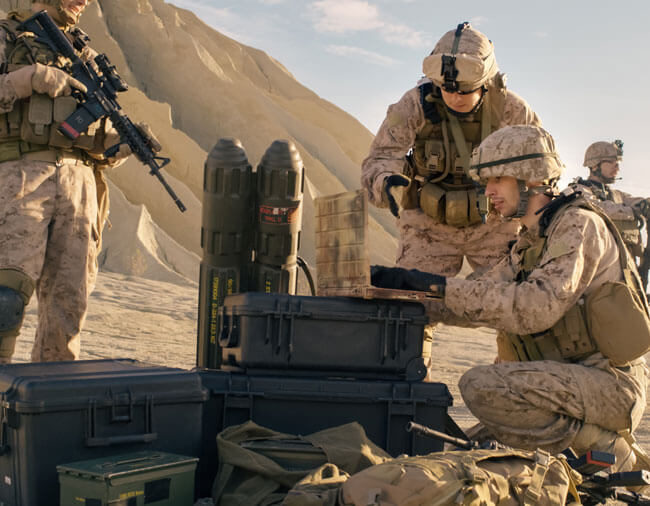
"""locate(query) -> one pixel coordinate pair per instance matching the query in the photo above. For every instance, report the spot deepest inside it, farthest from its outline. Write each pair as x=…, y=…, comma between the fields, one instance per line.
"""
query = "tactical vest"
x=614, y=319
x=629, y=228
x=33, y=122
x=441, y=153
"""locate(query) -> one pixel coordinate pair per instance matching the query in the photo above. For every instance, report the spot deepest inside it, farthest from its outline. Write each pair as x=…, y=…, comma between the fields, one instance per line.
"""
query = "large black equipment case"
x=263, y=333
x=302, y=405
x=60, y=412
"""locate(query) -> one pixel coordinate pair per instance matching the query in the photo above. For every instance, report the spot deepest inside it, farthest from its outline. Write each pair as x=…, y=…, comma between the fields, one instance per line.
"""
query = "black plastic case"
x=322, y=336
x=60, y=412
x=302, y=405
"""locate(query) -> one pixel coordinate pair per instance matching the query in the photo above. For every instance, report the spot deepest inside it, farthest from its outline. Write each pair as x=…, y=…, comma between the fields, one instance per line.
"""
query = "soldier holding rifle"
x=53, y=195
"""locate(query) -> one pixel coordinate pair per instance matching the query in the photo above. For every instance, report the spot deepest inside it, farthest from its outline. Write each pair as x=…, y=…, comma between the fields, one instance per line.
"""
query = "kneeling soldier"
x=575, y=378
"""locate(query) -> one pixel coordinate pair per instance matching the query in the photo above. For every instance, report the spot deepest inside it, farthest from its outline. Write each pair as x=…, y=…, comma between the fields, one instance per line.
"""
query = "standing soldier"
x=419, y=161
x=627, y=212
x=53, y=195
x=568, y=301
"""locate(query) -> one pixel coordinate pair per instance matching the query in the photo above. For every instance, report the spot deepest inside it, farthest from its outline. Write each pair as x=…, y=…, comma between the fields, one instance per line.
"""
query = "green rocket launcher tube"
x=278, y=220
x=226, y=239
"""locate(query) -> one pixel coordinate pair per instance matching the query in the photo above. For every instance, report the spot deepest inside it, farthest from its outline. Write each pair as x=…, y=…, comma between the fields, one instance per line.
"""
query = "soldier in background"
x=53, y=195
x=419, y=161
x=627, y=212
x=575, y=379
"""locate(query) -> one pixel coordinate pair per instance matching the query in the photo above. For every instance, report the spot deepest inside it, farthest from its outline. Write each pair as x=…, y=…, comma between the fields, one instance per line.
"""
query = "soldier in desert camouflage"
x=627, y=212
x=574, y=378
x=437, y=124
x=53, y=195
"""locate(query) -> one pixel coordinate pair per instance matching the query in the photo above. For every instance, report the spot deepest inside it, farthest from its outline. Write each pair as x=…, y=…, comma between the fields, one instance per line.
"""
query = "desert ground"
x=154, y=321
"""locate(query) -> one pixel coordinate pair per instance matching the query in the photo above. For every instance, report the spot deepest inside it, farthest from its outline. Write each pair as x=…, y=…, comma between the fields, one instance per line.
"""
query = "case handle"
x=92, y=440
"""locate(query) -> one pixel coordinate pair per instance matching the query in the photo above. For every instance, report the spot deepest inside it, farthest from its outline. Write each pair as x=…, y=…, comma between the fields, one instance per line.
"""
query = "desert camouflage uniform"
x=546, y=403
x=423, y=244
x=50, y=231
x=622, y=208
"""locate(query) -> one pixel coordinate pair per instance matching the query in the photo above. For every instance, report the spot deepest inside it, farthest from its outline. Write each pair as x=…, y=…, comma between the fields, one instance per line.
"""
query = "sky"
x=583, y=66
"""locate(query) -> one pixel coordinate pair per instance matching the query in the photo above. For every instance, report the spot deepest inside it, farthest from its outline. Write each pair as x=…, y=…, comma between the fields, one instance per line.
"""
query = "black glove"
x=404, y=279
x=391, y=182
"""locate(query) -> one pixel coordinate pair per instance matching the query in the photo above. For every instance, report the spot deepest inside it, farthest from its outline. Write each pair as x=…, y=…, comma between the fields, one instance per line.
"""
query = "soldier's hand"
x=122, y=152
x=53, y=81
x=113, y=138
x=394, y=187
x=404, y=279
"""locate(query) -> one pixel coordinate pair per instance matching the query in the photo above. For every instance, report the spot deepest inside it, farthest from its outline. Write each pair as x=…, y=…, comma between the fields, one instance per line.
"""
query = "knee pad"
x=12, y=311
x=16, y=289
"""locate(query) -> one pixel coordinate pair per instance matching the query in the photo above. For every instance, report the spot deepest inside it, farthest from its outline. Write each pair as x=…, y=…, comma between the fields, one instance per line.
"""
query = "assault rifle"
x=601, y=487
x=99, y=101
x=597, y=486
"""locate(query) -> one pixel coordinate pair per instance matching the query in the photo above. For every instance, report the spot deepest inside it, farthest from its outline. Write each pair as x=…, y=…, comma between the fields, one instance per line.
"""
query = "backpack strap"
x=534, y=491
x=429, y=107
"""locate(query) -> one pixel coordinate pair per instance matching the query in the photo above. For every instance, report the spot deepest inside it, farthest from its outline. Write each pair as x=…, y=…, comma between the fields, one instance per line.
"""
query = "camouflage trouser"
x=440, y=249
x=544, y=404
x=48, y=231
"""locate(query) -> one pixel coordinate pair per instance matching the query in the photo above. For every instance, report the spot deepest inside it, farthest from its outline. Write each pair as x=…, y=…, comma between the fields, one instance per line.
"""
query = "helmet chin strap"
x=548, y=188
x=524, y=194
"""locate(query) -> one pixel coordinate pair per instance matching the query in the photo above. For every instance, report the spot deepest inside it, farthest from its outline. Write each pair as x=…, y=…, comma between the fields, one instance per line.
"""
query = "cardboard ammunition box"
x=134, y=479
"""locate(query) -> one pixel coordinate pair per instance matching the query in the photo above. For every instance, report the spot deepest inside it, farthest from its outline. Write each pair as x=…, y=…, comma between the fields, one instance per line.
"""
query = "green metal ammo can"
x=135, y=479
x=226, y=239
x=280, y=184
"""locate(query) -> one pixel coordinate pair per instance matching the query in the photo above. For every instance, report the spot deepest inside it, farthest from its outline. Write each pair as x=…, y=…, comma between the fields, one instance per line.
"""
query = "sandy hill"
x=193, y=85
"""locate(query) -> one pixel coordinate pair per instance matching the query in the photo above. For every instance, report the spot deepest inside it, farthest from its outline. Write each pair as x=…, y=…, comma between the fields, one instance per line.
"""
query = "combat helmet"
x=603, y=152
x=463, y=60
x=600, y=152
x=524, y=152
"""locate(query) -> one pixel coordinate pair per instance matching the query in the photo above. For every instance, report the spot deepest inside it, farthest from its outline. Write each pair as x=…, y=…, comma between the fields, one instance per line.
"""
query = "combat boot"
x=593, y=437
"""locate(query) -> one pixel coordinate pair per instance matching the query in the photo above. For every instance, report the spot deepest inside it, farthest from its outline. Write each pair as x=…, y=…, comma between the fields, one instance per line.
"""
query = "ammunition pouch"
x=618, y=321
x=33, y=126
x=610, y=320
x=631, y=233
x=567, y=341
x=14, y=150
x=35, y=120
x=613, y=319
x=434, y=162
x=440, y=161
x=457, y=208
